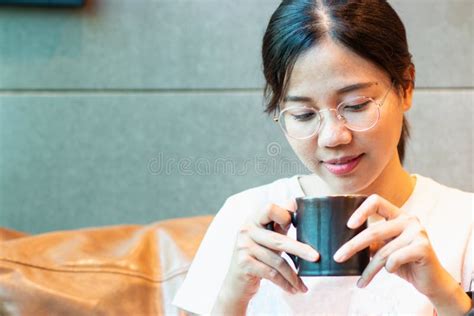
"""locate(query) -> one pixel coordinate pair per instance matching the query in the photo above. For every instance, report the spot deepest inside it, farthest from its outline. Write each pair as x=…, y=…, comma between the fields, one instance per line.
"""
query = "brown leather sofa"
x=118, y=270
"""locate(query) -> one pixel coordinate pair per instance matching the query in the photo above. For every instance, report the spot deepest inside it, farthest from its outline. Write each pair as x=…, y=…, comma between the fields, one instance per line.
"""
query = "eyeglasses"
x=358, y=114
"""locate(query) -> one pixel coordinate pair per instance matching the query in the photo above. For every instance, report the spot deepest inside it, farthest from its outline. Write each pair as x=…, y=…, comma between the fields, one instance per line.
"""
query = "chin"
x=346, y=188
x=350, y=184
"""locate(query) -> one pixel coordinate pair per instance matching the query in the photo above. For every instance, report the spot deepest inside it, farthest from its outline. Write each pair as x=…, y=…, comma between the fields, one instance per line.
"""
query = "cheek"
x=384, y=137
x=306, y=151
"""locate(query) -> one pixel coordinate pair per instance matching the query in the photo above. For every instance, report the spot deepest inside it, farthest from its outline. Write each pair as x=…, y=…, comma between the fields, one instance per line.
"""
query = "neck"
x=395, y=184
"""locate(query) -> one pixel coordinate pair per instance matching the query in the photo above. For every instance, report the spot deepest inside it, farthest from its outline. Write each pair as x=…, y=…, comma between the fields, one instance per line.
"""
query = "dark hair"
x=370, y=28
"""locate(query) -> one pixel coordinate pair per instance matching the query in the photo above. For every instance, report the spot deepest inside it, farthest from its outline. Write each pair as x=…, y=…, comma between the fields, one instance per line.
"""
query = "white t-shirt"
x=446, y=213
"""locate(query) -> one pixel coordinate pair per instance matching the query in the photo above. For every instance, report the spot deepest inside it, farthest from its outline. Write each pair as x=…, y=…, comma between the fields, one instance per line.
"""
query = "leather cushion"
x=117, y=270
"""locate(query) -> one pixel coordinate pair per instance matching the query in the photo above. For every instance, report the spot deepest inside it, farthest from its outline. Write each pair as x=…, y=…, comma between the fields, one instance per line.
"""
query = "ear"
x=408, y=93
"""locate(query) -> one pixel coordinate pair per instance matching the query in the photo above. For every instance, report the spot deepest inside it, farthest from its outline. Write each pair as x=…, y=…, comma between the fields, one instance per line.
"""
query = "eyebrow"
x=349, y=88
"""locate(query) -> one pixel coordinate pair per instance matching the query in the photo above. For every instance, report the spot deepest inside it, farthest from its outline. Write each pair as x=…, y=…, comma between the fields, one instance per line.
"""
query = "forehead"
x=330, y=66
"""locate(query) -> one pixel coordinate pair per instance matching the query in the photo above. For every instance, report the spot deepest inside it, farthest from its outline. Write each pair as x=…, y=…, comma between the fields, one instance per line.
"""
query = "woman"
x=339, y=80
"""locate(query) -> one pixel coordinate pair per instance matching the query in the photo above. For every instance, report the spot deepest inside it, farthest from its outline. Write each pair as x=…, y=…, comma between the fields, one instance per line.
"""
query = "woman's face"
x=348, y=161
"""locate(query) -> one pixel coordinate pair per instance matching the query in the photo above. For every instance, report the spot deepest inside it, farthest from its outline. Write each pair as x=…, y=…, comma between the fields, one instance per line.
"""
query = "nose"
x=333, y=132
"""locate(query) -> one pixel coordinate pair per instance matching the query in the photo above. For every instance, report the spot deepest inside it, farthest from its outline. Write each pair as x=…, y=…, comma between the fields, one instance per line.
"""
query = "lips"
x=343, y=165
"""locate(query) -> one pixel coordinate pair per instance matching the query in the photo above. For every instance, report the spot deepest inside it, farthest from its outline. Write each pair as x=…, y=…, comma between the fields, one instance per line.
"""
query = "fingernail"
x=315, y=255
x=293, y=290
x=360, y=283
x=312, y=256
x=303, y=288
x=351, y=222
x=338, y=256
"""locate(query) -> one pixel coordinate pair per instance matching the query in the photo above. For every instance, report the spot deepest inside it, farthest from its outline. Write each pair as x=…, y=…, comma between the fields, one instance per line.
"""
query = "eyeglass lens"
x=302, y=122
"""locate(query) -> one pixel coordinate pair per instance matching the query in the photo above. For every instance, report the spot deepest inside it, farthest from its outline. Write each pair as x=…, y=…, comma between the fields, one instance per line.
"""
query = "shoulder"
x=443, y=196
x=446, y=198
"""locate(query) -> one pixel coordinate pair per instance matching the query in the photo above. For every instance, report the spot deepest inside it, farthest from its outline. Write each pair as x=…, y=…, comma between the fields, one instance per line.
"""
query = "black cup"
x=321, y=223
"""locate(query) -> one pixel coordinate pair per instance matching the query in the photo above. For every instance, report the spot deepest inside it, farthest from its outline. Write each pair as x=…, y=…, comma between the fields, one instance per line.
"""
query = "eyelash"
x=353, y=107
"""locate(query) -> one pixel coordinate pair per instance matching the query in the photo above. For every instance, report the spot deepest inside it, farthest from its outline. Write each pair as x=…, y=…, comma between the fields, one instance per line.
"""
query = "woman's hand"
x=406, y=251
x=257, y=256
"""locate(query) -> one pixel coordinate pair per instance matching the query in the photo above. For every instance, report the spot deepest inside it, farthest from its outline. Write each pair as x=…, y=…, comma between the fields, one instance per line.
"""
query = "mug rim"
x=330, y=197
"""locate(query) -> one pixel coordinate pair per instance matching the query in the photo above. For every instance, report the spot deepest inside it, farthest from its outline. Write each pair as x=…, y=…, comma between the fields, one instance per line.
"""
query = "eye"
x=302, y=116
x=356, y=106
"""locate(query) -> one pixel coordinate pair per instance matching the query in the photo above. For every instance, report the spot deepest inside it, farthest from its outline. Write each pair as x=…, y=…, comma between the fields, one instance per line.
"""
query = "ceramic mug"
x=321, y=222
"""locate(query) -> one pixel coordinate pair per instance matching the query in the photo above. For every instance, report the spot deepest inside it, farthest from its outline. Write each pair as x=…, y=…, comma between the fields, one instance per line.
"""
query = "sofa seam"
x=166, y=277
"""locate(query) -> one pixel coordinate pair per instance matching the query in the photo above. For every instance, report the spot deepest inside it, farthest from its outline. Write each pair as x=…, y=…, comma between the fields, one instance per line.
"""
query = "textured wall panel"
x=83, y=161
x=145, y=44
x=442, y=137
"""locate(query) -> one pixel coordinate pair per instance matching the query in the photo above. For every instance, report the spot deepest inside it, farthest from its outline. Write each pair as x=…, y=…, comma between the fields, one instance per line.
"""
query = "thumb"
x=290, y=205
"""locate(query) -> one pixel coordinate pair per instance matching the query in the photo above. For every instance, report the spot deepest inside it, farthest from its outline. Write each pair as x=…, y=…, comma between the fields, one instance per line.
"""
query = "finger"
x=274, y=213
x=290, y=206
x=379, y=260
x=279, y=242
x=261, y=270
x=281, y=229
x=278, y=263
x=375, y=233
x=412, y=253
x=374, y=204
